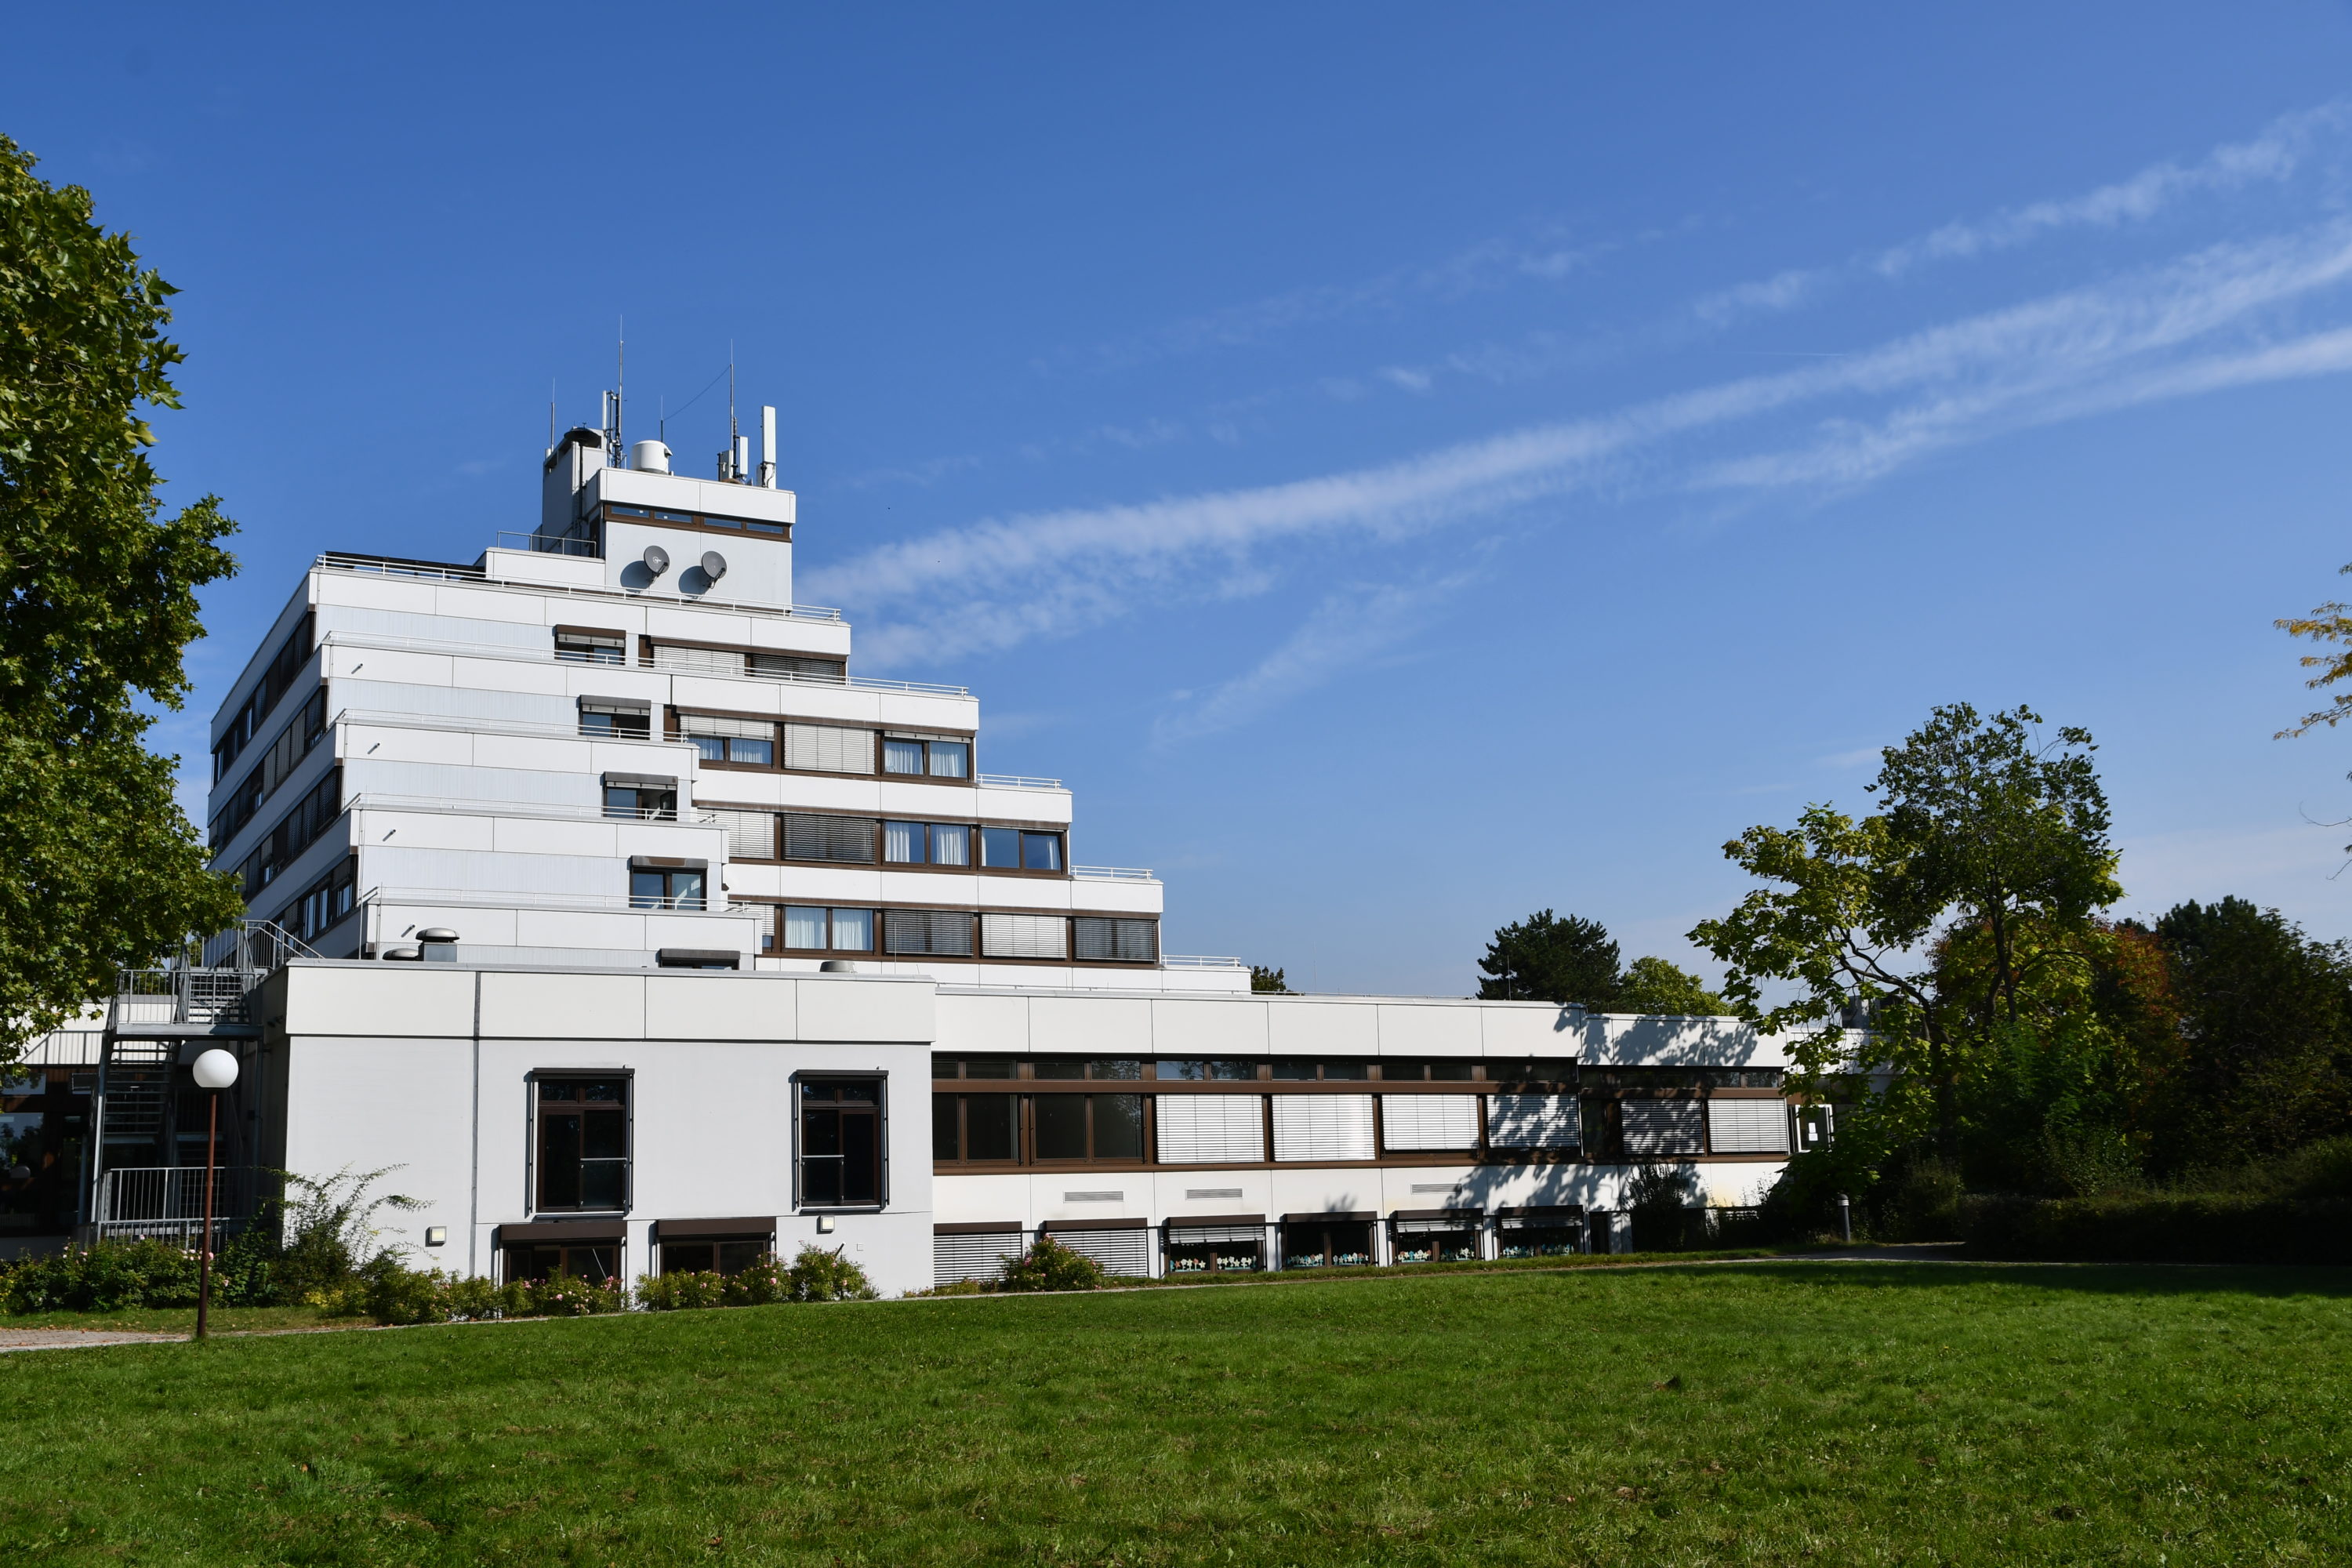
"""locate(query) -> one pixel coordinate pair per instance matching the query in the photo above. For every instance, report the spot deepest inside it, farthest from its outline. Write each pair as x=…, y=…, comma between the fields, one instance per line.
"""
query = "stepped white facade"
x=640, y=932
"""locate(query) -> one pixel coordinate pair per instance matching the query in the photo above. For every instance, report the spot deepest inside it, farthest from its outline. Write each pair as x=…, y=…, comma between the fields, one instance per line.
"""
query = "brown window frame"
x=624, y=1112
x=817, y=1095
x=696, y=522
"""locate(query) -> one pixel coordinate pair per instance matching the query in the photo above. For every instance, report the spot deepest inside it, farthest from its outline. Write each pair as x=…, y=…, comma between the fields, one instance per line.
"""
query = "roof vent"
x=649, y=457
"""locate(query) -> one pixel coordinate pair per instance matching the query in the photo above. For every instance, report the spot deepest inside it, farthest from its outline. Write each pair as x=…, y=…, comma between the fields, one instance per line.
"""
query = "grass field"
x=1806, y=1412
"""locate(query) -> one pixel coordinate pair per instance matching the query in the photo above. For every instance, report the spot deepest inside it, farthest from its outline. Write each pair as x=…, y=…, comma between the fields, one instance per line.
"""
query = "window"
x=798, y=666
x=1207, y=1071
x=666, y=886
x=927, y=843
x=1653, y=1127
x=1314, y=1129
x=582, y=1159
x=1747, y=1126
x=840, y=838
x=1125, y=1069
x=1428, y=1237
x=1096, y=1127
x=713, y=1247
x=1429, y=1072
x=319, y=809
x=1428, y=1123
x=1025, y=936
x=617, y=718
x=1210, y=1129
x=1532, y=1121
x=276, y=678
x=747, y=741
x=812, y=928
x=944, y=933
x=295, y=742
x=598, y=1263
x=1116, y=941
x=1349, y=1072
x=968, y=1127
x=697, y=660
x=640, y=799
x=840, y=1142
x=1545, y=1069
x=924, y=756
x=1319, y=1243
x=578, y=646
x=321, y=904
x=1539, y=1232
x=1215, y=1248
x=976, y=1067
x=1019, y=849
x=751, y=835
x=828, y=749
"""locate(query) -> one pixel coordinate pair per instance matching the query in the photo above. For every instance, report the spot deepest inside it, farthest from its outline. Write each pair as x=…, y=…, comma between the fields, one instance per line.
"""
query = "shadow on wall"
x=1671, y=1042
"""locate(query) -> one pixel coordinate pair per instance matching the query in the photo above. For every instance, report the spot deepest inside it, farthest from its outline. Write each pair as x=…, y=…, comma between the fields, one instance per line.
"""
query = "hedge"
x=2219, y=1228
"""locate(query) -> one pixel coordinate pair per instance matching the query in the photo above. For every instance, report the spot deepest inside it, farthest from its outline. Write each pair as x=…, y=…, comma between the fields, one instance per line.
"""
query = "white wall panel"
x=1202, y=1028
x=1407, y=1029
x=1310, y=1127
x=1090, y=1025
x=1210, y=1129
x=1310, y=1026
x=1425, y=1123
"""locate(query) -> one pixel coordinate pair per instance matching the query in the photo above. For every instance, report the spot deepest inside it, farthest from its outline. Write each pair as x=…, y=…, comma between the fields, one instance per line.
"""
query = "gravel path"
x=70, y=1339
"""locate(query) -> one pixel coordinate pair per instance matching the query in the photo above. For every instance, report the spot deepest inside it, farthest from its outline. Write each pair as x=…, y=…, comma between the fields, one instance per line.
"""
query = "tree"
x=97, y=600
x=1985, y=829
x=2265, y=1018
x=1268, y=981
x=2326, y=624
x=1548, y=958
x=1655, y=985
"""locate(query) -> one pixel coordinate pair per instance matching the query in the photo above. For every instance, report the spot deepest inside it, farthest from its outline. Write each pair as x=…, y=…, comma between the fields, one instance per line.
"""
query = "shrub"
x=681, y=1291
x=564, y=1296
x=2200, y=1227
x=106, y=1277
x=1050, y=1265
x=1923, y=1204
x=817, y=1274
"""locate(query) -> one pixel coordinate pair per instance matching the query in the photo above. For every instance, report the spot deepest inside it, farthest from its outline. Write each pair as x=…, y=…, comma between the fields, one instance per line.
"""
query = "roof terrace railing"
x=1112, y=874
x=1015, y=781
x=536, y=810
x=1184, y=961
x=450, y=572
x=548, y=655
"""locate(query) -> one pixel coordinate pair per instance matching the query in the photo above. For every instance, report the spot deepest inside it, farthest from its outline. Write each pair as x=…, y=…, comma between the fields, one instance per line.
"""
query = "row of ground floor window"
x=1245, y=1244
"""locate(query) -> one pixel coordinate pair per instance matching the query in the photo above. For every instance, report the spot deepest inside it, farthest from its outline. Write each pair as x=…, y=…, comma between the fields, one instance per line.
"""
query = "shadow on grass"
x=2275, y=1281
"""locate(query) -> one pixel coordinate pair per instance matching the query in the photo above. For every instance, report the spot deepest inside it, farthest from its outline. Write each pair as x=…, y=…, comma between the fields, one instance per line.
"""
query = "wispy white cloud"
x=1346, y=630
x=2271, y=156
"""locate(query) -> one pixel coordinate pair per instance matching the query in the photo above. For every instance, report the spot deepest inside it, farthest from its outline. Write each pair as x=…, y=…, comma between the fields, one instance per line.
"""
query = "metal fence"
x=182, y=996
x=166, y=1202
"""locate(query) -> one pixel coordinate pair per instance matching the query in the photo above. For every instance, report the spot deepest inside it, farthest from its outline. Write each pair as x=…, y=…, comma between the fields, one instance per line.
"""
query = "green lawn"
x=1813, y=1411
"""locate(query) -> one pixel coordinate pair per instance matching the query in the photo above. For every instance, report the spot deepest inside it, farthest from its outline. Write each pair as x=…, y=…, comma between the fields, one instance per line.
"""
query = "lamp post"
x=215, y=1070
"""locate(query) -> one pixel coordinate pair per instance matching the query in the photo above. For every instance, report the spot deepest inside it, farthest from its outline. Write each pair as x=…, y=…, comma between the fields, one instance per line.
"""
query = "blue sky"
x=1404, y=468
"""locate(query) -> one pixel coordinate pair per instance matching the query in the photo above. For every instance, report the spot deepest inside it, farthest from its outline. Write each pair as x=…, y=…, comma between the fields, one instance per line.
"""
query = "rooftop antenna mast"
x=732, y=465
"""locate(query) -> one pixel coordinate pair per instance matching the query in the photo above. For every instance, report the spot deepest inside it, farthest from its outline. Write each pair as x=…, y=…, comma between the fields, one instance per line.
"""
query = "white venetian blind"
x=1663, y=1127
x=712, y=724
x=1747, y=1126
x=1025, y=936
x=1314, y=1126
x=697, y=660
x=1410, y=1122
x=971, y=1256
x=1119, y=1251
x=1532, y=1121
x=828, y=748
x=751, y=835
x=1210, y=1129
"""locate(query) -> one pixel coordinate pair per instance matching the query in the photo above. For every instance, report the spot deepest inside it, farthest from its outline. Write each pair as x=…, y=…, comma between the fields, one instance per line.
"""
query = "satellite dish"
x=714, y=565
x=656, y=559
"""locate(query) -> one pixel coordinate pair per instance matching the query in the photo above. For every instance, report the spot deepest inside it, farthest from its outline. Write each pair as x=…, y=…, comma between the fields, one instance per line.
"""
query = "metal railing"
x=536, y=810
x=1187, y=961
x=537, y=656
x=1015, y=781
x=182, y=997
x=1112, y=874
x=490, y=899
x=166, y=1202
x=450, y=572
x=549, y=544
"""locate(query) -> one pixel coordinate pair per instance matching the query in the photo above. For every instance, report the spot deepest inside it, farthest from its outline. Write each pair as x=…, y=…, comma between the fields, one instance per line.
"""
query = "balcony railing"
x=538, y=655
x=535, y=810
x=1016, y=780
x=1183, y=961
x=492, y=899
x=450, y=572
x=1112, y=874
x=166, y=1202
x=202, y=996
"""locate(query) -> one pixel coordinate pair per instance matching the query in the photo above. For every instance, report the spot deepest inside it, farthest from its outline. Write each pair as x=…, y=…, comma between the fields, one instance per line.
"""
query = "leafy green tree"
x=1269, y=981
x=1551, y=958
x=2266, y=1032
x=96, y=600
x=1984, y=828
x=1655, y=985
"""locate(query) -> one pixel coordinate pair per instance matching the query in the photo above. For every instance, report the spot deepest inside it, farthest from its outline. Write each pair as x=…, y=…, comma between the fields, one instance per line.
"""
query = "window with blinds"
x=1125, y=1252
x=1747, y=1126
x=751, y=835
x=829, y=838
x=697, y=660
x=1318, y=1127
x=1116, y=941
x=715, y=724
x=972, y=1257
x=798, y=667
x=828, y=749
x=1662, y=1127
x=1210, y=1129
x=1025, y=936
x=943, y=932
x=1419, y=1122
x=1532, y=1121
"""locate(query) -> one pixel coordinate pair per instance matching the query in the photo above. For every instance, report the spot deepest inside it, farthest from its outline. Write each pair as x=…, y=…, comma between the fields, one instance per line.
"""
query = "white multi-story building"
x=639, y=933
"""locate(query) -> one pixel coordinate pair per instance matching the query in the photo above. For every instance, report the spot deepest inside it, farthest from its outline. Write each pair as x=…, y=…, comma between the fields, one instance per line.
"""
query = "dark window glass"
x=1343, y=1069
x=1057, y=1069
x=990, y=1126
x=1000, y=847
x=1041, y=851
x=594, y=1264
x=1119, y=1126
x=1452, y=1072
x=1293, y=1070
x=944, y=1141
x=633, y=724
x=1061, y=1127
x=583, y=1143
x=841, y=1142
x=741, y=749
x=1203, y=1071
x=1114, y=1068
x=989, y=1066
